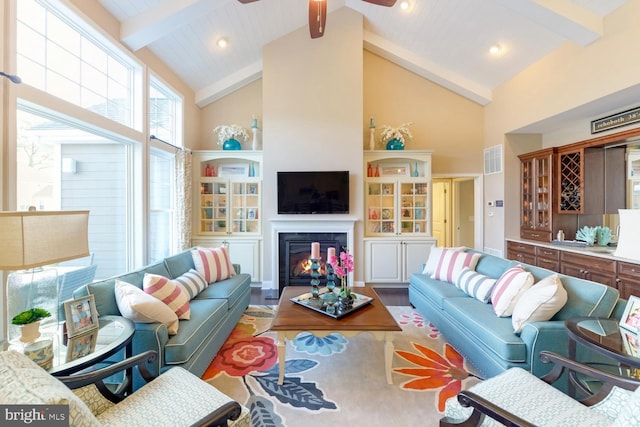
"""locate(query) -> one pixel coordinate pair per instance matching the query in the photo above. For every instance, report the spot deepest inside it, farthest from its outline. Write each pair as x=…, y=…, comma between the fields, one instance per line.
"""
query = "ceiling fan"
x=318, y=14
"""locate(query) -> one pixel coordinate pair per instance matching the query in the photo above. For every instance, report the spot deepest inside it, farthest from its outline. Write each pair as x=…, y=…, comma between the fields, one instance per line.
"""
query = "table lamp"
x=31, y=240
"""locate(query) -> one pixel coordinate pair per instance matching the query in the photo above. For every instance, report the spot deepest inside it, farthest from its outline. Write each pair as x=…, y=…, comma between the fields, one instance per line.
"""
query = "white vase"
x=372, y=142
x=255, y=143
x=30, y=332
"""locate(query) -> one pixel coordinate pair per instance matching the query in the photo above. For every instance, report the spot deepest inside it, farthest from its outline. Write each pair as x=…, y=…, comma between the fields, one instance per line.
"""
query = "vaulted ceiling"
x=446, y=41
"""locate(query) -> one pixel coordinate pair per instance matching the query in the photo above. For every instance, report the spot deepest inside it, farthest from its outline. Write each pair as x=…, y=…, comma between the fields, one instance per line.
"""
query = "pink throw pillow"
x=213, y=263
x=508, y=289
x=451, y=264
x=169, y=292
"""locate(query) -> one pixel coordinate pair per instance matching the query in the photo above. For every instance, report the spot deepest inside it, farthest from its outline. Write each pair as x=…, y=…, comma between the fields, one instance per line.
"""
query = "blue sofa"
x=214, y=313
x=488, y=341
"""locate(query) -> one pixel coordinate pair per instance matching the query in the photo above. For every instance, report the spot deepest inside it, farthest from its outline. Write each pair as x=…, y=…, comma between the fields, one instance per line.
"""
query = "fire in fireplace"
x=294, y=250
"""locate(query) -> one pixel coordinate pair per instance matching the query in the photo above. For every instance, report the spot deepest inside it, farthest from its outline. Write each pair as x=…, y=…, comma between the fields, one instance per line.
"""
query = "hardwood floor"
x=390, y=296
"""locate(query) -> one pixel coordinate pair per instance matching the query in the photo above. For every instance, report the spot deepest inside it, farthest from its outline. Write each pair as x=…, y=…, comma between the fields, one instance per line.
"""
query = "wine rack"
x=571, y=191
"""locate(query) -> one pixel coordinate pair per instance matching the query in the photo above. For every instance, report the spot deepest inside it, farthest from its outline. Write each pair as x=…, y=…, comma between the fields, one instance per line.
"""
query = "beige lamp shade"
x=33, y=239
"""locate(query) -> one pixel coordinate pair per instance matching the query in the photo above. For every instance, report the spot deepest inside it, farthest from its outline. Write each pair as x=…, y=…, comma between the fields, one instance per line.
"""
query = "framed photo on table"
x=630, y=342
x=631, y=317
x=82, y=345
x=81, y=315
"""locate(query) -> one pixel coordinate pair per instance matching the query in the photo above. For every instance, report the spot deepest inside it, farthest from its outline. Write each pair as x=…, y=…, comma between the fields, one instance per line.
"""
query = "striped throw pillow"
x=475, y=284
x=169, y=292
x=192, y=282
x=451, y=264
x=213, y=263
x=508, y=289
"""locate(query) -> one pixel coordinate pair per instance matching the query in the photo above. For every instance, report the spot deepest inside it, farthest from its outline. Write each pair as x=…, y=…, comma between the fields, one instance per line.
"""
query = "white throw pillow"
x=539, y=303
x=137, y=305
x=475, y=284
x=434, y=257
x=169, y=292
x=508, y=288
x=451, y=264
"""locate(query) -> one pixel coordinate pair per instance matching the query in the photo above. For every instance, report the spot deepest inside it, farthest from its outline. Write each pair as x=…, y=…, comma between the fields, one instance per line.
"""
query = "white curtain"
x=183, y=200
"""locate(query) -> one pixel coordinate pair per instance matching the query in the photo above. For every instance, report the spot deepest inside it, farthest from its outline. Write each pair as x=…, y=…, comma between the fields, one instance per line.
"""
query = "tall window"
x=60, y=166
x=165, y=113
x=161, y=197
x=165, y=124
x=77, y=64
x=65, y=162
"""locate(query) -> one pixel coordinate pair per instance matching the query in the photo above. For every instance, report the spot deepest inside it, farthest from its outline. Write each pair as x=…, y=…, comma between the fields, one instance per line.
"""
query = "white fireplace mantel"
x=304, y=224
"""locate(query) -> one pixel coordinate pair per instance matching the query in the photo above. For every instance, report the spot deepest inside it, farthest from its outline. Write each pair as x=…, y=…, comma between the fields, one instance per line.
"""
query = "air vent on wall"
x=493, y=159
x=494, y=252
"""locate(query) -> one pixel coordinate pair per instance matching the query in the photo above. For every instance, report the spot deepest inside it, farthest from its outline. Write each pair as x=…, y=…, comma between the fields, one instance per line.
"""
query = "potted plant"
x=342, y=266
x=228, y=136
x=29, y=322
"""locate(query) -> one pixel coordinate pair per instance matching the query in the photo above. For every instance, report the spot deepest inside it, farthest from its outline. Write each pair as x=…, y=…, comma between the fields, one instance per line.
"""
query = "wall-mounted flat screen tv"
x=315, y=192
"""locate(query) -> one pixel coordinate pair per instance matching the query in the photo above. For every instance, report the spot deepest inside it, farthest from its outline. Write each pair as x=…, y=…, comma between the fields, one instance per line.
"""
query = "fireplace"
x=294, y=250
x=311, y=227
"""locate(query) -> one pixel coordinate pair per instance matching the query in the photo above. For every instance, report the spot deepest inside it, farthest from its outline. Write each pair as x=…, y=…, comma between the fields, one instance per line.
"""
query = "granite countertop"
x=568, y=246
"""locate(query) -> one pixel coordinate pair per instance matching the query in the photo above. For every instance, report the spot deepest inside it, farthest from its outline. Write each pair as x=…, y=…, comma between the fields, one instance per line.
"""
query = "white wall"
x=312, y=109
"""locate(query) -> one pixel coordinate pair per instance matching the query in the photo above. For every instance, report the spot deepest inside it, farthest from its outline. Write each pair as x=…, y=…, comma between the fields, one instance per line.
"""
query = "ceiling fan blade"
x=317, y=17
x=246, y=1
x=387, y=3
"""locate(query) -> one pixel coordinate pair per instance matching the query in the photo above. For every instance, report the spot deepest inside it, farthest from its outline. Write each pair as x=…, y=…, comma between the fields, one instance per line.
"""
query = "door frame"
x=478, y=192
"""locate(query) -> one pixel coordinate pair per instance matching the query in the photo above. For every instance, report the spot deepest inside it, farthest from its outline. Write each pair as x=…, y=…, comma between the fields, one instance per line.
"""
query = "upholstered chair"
x=518, y=398
x=176, y=397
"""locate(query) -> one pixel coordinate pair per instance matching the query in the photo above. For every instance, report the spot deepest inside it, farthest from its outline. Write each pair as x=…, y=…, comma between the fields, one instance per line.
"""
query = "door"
x=441, y=208
x=463, y=212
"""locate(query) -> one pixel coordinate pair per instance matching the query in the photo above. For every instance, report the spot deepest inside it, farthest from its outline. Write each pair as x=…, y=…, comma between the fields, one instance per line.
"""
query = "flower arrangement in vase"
x=228, y=136
x=396, y=137
x=342, y=266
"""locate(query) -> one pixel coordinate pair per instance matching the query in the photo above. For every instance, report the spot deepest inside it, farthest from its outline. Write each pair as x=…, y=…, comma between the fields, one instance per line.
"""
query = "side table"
x=114, y=333
x=604, y=336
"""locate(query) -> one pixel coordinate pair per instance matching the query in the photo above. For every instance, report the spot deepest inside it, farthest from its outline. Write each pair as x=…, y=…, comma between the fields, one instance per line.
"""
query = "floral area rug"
x=339, y=381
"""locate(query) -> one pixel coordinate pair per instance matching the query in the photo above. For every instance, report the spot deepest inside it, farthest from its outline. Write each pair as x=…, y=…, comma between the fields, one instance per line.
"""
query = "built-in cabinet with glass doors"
x=228, y=203
x=536, y=171
x=397, y=213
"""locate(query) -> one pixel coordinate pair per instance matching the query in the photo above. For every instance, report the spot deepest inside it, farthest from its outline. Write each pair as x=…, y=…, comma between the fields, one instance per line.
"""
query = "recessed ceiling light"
x=496, y=49
x=404, y=5
x=222, y=42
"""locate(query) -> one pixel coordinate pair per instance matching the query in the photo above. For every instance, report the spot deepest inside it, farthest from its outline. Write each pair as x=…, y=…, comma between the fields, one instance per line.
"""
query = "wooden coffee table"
x=291, y=319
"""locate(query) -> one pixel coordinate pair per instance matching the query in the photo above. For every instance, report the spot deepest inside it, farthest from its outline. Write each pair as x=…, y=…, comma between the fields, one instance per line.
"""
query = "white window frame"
x=77, y=21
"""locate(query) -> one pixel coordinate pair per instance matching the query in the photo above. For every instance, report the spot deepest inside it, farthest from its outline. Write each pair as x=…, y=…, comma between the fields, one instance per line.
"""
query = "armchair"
x=519, y=399
x=176, y=397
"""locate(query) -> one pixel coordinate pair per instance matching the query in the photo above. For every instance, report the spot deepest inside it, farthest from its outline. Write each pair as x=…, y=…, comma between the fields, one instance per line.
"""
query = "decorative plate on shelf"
x=386, y=213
